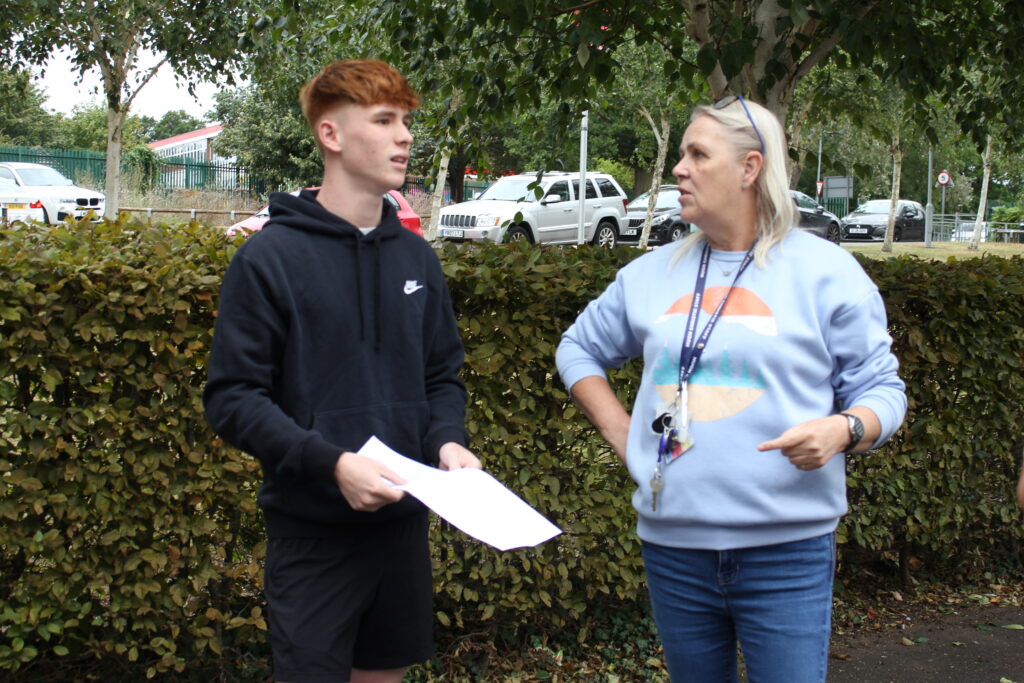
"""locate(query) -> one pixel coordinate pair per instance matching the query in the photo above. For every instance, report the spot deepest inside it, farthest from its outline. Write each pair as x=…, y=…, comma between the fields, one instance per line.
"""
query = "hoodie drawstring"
x=359, y=289
x=376, y=297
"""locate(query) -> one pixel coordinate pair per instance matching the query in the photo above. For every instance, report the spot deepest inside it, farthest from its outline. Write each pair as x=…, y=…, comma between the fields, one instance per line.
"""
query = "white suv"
x=60, y=197
x=510, y=211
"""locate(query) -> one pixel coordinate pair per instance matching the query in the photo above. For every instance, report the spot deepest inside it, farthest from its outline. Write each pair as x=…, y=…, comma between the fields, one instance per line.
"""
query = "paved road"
x=971, y=646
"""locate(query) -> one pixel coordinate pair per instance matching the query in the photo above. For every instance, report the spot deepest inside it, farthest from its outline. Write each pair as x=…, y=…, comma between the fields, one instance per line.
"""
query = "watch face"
x=856, y=429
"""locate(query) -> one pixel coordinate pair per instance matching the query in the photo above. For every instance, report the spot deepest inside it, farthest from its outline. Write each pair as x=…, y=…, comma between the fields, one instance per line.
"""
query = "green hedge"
x=130, y=533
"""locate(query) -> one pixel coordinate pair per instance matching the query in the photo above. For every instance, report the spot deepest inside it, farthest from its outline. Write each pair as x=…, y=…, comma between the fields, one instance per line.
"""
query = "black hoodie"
x=324, y=338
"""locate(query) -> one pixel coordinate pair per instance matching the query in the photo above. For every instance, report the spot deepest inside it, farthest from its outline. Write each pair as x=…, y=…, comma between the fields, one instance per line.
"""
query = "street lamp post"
x=817, y=180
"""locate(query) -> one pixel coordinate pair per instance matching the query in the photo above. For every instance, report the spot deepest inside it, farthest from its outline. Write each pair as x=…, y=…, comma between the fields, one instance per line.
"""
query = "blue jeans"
x=776, y=601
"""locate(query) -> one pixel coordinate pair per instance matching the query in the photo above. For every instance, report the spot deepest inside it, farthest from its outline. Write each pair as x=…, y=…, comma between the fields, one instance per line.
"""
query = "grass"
x=939, y=251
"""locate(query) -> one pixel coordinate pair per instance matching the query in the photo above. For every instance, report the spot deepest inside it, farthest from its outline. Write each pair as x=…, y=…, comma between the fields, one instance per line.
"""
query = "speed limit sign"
x=944, y=178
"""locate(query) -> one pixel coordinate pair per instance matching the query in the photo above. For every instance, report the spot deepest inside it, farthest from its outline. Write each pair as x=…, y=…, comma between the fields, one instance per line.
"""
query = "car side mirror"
x=820, y=209
x=552, y=199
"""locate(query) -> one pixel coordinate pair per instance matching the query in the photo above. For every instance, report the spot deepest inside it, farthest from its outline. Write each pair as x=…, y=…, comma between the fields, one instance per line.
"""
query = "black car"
x=869, y=220
x=666, y=225
x=815, y=218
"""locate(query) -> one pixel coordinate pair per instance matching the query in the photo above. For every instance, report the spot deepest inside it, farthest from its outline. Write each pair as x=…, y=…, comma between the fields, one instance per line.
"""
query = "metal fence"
x=470, y=188
x=77, y=164
x=180, y=173
x=959, y=227
x=176, y=173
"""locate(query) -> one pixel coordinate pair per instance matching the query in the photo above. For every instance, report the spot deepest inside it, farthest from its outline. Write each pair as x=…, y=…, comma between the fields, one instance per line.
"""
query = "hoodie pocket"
x=401, y=426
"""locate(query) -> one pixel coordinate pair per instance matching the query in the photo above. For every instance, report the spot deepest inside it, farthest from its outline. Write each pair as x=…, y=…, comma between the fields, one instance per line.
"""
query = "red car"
x=406, y=216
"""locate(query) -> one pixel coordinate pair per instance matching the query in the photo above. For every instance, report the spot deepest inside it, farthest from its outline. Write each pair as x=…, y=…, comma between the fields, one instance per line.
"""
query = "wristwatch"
x=856, y=430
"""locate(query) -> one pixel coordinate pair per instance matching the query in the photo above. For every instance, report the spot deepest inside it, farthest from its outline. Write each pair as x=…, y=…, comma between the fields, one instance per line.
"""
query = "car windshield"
x=667, y=200
x=36, y=177
x=876, y=206
x=510, y=190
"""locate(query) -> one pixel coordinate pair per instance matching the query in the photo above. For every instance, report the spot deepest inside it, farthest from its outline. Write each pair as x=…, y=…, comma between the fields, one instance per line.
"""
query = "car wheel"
x=605, y=235
x=897, y=234
x=676, y=233
x=518, y=233
x=834, y=235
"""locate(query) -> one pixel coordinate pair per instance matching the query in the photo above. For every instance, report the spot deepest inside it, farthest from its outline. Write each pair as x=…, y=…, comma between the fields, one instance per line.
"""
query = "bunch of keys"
x=669, y=441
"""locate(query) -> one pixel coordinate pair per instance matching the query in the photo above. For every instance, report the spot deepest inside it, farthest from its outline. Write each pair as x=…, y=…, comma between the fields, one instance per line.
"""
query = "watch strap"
x=856, y=428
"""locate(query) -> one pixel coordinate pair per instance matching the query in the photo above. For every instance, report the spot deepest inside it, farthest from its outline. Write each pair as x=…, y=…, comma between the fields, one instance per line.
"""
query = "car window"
x=804, y=201
x=591, y=190
x=667, y=199
x=510, y=190
x=392, y=201
x=561, y=188
x=607, y=188
x=874, y=206
x=7, y=174
x=37, y=177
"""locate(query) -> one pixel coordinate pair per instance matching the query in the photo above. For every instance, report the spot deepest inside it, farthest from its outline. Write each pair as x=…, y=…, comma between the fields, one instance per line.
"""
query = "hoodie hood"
x=304, y=212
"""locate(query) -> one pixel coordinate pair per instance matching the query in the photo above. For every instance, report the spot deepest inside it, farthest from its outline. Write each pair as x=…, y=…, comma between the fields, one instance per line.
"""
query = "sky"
x=159, y=96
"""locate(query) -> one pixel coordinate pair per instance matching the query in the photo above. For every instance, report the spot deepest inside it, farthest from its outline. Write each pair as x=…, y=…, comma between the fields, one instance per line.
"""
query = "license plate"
x=858, y=231
x=453, y=232
x=630, y=232
x=17, y=206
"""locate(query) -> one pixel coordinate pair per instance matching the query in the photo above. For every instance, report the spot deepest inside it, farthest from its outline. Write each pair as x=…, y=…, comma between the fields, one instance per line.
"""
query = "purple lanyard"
x=690, y=352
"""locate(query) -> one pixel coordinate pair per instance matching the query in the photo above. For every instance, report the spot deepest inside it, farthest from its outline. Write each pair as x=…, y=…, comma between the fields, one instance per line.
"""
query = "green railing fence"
x=88, y=168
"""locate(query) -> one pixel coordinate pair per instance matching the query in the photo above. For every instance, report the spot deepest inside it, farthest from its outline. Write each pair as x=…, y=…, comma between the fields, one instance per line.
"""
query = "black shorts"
x=363, y=601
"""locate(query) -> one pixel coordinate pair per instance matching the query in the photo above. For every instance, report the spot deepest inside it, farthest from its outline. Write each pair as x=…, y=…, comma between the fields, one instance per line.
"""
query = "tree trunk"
x=986, y=175
x=115, y=130
x=435, y=204
x=456, y=175
x=659, y=171
x=897, y=169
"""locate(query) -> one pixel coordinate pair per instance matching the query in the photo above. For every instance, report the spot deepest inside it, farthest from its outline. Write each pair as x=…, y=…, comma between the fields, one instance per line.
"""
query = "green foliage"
x=1008, y=214
x=531, y=437
x=174, y=122
x=268, y=136
x=130, y=533
x=86, y=128
x=144, y=167
x=23, y=118
x=944, y=484
x=621, y=172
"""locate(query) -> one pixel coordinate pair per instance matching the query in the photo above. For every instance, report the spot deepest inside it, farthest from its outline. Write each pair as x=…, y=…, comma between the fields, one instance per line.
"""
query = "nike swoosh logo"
x=412, y=286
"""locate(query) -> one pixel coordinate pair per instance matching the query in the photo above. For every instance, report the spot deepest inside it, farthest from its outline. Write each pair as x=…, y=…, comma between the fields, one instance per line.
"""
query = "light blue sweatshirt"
x=801, y=338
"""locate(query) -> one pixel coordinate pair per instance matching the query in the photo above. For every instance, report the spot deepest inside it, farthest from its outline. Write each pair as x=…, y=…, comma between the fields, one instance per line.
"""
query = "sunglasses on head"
x=726, y=101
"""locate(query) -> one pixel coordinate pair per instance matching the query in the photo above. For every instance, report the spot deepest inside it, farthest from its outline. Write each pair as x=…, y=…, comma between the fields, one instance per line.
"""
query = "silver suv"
x=550, y=216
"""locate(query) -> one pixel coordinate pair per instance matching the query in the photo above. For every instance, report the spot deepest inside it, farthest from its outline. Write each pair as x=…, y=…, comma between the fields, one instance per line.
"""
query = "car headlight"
x=658, y=220
x=73, y=200
x=487, y=220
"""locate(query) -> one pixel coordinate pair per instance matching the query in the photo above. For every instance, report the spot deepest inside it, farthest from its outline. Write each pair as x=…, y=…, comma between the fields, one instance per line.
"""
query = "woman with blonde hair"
x=766, y=359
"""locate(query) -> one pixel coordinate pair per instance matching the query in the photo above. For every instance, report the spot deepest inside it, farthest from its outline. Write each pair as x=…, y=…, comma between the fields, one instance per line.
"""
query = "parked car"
x=517, y=208
x=816, y=218
x=60, y=197
x=869, y=220
x=409, y=219
x=17, y=204
x=666, y=224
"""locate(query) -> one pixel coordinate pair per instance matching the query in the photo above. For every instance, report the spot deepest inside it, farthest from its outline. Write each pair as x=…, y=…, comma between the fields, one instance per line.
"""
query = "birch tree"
x=195, y=39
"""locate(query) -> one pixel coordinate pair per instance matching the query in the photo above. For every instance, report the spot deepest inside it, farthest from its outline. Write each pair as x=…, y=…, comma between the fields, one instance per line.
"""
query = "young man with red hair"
x=335, y=325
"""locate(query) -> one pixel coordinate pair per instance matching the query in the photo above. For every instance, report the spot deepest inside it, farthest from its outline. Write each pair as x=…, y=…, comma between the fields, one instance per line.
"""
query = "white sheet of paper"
x=469, y=499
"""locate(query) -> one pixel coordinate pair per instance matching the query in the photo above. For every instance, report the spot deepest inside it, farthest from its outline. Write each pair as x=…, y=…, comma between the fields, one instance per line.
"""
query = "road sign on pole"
x=821, y=186
x=944, y=179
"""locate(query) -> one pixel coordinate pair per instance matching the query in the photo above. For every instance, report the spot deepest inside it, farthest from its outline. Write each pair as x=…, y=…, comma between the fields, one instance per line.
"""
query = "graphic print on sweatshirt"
x=721, y=386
